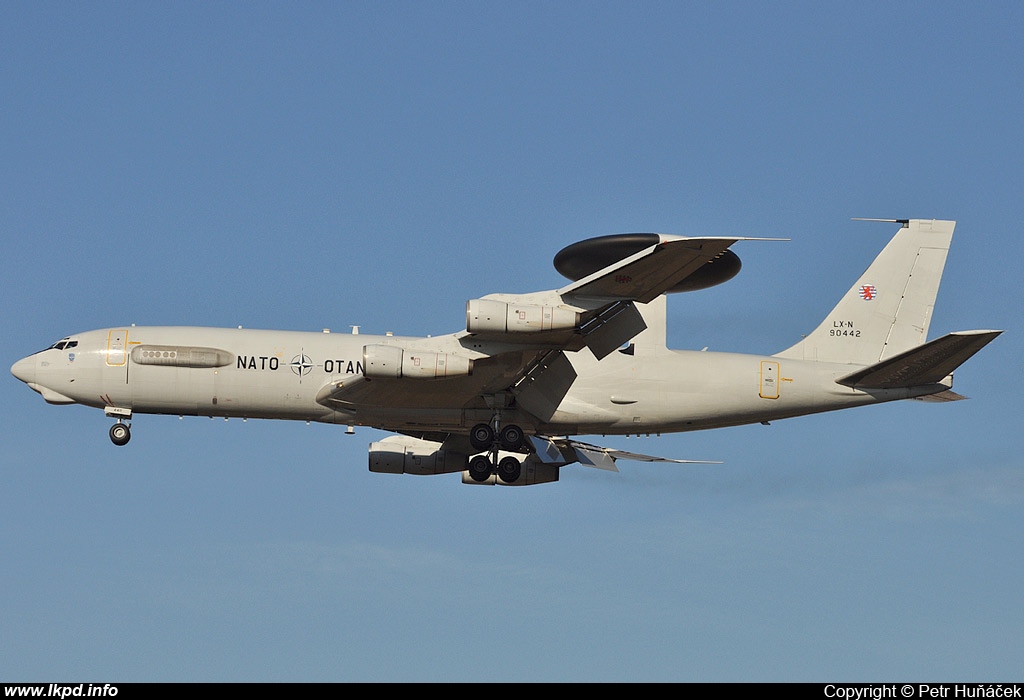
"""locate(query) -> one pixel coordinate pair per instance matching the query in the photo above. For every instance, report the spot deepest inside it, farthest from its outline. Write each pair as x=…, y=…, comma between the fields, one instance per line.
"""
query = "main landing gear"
x=510, y=438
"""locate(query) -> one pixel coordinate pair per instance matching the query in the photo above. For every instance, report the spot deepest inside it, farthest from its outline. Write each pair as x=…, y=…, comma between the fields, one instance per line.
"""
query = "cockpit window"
x=63, y=344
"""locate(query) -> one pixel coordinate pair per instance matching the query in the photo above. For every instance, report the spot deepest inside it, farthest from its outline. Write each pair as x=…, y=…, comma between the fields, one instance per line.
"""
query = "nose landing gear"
x=120, y=433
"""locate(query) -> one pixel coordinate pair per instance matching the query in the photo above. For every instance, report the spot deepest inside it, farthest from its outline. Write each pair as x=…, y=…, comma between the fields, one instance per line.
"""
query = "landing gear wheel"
x=509, y=469
x=480, y=468
x=120, y=434
x=512, y=438
x=481, y=437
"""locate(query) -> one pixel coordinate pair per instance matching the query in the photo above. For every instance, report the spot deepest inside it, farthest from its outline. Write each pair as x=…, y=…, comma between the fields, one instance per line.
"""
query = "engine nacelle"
x=400, y=457
x=404, y=454
x=392, y=362
x=492, y=316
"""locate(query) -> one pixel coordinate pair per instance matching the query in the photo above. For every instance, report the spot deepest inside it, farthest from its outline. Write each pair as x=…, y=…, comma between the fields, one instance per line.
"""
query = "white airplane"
x=499, y=400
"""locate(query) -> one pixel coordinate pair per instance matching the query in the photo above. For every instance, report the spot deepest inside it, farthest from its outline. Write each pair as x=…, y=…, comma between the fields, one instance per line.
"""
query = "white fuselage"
x=279, y=374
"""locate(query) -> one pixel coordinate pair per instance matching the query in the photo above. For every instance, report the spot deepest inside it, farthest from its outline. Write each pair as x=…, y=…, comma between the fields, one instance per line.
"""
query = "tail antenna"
x=903, y=222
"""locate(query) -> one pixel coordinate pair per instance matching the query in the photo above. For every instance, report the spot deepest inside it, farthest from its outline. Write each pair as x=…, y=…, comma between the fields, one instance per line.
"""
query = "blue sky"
x=315, y=165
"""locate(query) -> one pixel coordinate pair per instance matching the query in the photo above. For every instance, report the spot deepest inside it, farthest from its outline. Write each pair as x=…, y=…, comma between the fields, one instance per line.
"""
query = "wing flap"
x=612, y=327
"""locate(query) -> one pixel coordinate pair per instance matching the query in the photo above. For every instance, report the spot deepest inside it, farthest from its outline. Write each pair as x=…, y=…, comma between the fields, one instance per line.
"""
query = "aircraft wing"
x=601, y=314
x=490, y=375
x=564, y=450
x=651, y=272
x=604, y=302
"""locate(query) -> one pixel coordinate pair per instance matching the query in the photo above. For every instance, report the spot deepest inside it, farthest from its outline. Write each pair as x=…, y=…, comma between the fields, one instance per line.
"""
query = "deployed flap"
x=649, y=273
x=595, y=457
x=926, y=364
x=544, y=384
x=547, y=450
x=612, y=327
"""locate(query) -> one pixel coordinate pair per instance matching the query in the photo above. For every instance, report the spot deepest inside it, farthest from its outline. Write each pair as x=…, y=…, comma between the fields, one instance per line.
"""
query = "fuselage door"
x=117, y=342
x=769, y=380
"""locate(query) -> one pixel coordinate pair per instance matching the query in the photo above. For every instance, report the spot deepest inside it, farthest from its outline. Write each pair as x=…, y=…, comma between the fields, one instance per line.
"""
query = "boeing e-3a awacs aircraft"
x=499, y=401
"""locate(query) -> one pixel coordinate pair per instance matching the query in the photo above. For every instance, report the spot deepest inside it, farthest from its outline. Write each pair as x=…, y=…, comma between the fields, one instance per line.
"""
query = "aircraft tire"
x=120, y=434
x=509, y=469
x=481, y=437
x=512, y=438
x=479, y=468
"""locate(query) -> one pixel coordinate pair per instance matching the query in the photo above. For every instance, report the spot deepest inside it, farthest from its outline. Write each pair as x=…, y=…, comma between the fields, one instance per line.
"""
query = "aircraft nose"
x=25, y=369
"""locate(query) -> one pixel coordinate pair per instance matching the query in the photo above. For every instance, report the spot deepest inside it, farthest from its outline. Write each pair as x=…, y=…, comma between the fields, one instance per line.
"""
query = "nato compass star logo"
x=301, y=365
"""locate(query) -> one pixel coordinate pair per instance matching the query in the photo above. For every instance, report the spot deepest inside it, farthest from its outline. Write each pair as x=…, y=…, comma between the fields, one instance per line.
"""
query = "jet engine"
x=391, y=362
x=492, y=316
x=405, y=455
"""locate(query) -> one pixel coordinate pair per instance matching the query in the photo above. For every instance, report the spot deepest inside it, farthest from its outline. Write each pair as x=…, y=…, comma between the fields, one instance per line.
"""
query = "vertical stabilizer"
x=653, y=338
x=890, y=307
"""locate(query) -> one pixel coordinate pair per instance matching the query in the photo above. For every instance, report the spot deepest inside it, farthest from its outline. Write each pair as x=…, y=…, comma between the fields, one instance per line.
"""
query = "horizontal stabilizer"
x=926, y=364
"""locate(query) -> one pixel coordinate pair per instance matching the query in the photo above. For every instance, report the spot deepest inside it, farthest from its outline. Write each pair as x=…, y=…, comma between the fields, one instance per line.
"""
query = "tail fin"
x=890, y=307
x=653, y=338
